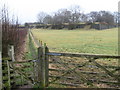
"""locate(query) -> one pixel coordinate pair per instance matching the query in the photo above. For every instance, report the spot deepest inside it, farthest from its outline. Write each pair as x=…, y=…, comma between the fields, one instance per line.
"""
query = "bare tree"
x=76, y=13
x=84, y=17
x=72, y=15
x=67, y=16
x=101, y=16
x=62, y=16
x=105, y=16
x=41, y=16
x=116, y=16
x=48, y=19
x=93, y=16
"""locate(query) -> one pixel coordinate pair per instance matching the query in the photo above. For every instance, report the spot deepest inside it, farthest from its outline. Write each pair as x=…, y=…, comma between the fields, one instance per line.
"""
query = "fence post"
x=11, y=73
x=11, y=52
x=8, y=68
x=0, y=71
x=43, y=66
x=46, y=65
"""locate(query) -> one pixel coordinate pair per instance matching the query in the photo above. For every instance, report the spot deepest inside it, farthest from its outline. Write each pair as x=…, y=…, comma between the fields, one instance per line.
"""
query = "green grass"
x=31, y=49
x=80, y=41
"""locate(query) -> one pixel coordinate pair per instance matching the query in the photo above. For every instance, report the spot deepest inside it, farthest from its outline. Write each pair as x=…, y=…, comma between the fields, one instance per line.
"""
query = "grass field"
x=80, y=41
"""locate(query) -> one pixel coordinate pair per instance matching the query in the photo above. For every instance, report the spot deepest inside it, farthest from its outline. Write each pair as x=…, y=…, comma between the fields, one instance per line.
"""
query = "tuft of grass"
x=80, y=41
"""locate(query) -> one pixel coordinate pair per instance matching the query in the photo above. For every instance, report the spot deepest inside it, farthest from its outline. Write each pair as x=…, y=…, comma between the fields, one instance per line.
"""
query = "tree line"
x=76, y=15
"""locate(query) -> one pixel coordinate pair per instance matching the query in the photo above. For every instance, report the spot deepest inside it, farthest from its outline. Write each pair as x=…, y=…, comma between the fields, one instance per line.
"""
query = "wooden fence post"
x=8, y=68
x=43, y=66
x=34, y=72
x=11, y=73
x=46, y=66
x=0, y=71
x=11, y=52
x=40, y=67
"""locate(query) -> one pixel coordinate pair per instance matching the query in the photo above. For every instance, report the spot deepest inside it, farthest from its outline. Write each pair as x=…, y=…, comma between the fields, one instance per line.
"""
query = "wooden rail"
x=93, y=80
x=12, y=72
x=80, y=65
x=83, y=55
x=92, y=58
x=26, y=61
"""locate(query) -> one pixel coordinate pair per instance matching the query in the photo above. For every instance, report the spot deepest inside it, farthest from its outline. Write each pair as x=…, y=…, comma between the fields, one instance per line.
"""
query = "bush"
x=11, y=34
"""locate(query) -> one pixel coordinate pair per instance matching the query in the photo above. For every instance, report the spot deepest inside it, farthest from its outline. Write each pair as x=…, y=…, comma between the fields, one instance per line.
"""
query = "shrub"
x=11, y=34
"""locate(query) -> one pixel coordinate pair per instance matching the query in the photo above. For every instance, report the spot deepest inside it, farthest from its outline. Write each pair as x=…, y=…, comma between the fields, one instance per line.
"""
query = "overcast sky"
x=27, y=10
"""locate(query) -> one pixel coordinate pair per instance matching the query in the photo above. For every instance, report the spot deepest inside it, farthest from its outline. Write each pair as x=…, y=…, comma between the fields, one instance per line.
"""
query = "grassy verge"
x=31, y=54
x=31, y=50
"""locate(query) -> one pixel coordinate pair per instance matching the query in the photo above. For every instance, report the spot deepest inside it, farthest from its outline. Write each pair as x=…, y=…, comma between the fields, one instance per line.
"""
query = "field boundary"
x=36, y=42
x=55, y=67
x=91, y=58
x=44, y=55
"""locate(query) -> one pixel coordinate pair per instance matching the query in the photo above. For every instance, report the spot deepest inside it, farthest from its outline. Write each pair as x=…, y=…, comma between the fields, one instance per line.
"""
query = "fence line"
x=8, y=73
x=44, y=69
x=82, y=55
x=13, y=72
x=91, y=58
x=98, y=65
x=37, y=43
